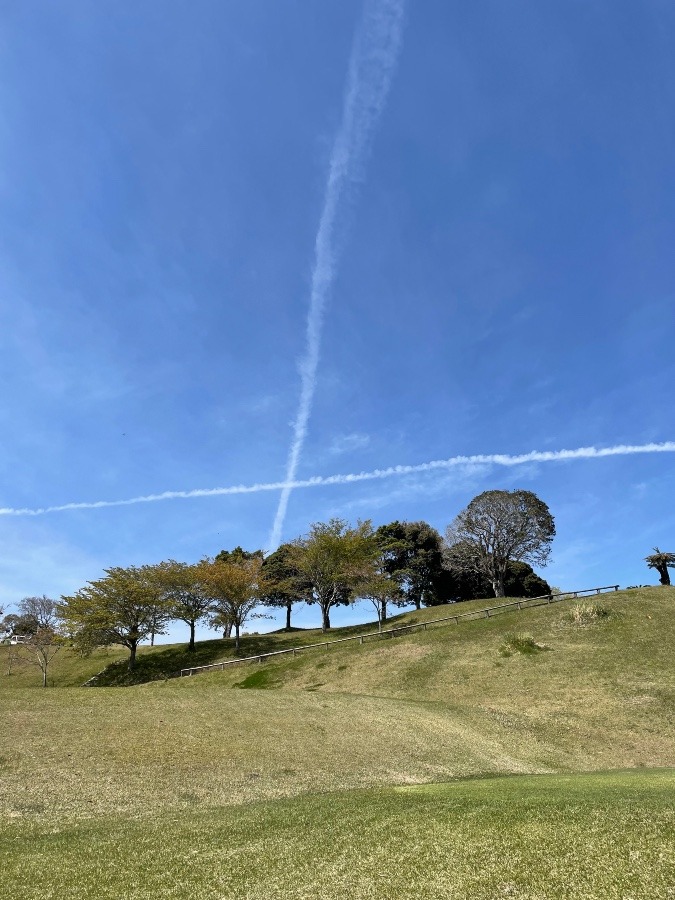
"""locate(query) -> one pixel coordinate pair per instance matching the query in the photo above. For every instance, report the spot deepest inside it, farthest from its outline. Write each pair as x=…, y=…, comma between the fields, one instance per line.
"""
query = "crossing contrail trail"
x=369, y=76
x=492, y=459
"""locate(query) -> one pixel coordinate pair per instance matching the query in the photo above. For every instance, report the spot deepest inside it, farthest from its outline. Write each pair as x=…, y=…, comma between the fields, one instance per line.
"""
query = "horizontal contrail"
x=369, y=77
x=492, y=459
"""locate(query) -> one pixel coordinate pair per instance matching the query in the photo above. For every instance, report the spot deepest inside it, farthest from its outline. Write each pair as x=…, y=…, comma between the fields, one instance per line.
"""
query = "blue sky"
x=503, y=275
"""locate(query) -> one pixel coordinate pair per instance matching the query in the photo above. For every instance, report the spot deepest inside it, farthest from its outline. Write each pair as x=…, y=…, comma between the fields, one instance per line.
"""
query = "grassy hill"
x=232, y=776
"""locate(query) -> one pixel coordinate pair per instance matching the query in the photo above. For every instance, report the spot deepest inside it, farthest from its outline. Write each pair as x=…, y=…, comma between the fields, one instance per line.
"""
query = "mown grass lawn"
x=584, y=837
x=331, y=774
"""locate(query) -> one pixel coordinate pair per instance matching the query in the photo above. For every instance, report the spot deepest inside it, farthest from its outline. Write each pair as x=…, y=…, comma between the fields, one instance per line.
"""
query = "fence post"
x=616, y=587
x=424, y=627
x=361, y=639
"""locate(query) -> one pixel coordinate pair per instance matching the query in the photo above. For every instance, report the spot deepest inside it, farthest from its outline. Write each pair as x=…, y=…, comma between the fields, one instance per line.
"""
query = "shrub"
x=520, y=643
x=587, y=613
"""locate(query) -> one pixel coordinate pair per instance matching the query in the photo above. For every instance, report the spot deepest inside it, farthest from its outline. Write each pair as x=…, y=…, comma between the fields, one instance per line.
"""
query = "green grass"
x=327, y=774
x=596, y=837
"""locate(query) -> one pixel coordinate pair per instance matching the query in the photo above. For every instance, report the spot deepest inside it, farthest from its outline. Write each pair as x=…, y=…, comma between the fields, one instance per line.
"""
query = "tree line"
x=489, y=548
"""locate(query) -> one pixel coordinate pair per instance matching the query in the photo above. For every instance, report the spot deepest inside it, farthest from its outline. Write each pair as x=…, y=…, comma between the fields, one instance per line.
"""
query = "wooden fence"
x=485, y=613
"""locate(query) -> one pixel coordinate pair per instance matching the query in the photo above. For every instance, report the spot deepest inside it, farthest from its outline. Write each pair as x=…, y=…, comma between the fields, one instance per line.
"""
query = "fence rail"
x=485, y=613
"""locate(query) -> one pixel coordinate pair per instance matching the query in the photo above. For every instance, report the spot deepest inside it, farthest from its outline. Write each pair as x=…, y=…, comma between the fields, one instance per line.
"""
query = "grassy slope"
x=426, y=707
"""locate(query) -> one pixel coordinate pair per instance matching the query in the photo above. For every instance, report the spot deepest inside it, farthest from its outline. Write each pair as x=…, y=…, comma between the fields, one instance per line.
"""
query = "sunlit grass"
x=276, y=779
x=596, y=837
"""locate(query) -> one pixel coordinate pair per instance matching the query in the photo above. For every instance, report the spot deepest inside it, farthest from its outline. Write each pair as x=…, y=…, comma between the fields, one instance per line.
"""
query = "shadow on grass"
x=159, y=664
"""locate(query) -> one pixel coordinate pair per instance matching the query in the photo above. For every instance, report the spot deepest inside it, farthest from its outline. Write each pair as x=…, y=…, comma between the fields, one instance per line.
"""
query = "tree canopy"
x=333, y=560
x=124, y=607
x=235, y=588
x=497, y=527
x=285, y=585
x=412, y=555
x=184, y=593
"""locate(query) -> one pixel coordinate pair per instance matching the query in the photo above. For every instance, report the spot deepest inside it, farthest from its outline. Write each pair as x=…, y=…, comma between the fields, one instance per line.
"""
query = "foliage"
x=182, y=590
x=381, y=590
x=412, y=555
x=498, y=527
x=465, y=582
x=18, y=625
x=334, y=560
x=285, y=586
x=235, y=588
x=124, y=607
x=661, y=562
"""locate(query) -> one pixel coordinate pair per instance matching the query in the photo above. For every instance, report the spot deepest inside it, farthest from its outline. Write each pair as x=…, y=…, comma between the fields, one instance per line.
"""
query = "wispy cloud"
x=347, y=443
x=493, y=459
x=371, y=65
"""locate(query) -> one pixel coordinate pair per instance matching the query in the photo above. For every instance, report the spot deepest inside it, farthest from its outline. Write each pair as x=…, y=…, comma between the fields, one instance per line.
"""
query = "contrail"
x=493, y=459
x=370, y=71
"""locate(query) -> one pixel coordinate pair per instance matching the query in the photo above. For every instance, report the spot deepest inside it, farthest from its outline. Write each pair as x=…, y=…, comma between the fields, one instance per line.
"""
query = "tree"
x=381, y=590
x=285, y=585
x=522, y=581
x=18, y=625
x=40, y=648
x=40, y=610
x=186, y=598
x=661, y=562
x=334, y=560
x=462, y=583
x=238, y=555
x=412, y=554
x=498, y=527
x=235, y=589
x=37, y=623
x=124, y=607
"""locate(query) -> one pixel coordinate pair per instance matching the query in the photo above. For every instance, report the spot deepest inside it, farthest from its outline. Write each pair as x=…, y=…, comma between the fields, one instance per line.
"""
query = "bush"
x=520, y=643
x=587, y=613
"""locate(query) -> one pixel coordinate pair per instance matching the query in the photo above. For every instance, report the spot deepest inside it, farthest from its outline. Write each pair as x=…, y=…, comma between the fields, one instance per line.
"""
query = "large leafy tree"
x=661, y=562
x=124, y=607
x=235, y=589
x=412, y=555
x=334, y=560
x=285, y=586
x=186, y=598
x=498, y=527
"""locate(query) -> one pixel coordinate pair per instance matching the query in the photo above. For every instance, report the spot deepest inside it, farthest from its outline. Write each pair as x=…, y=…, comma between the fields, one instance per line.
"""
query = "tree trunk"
x=664, y=574
x=325, y=619
x=132, y=655
x=44, y=677
x=191, y=645
x=418, y=603
x=152, y=638
x=498, y=586
x=288, y=616
x=383, y=618
x=236, y=636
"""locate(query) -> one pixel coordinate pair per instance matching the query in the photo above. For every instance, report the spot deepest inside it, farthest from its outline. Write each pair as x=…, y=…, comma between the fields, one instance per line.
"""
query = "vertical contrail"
x=371, y=66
